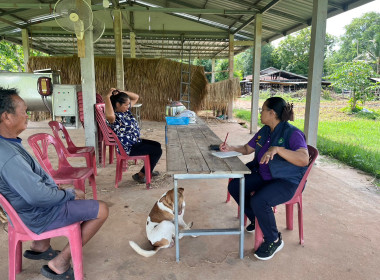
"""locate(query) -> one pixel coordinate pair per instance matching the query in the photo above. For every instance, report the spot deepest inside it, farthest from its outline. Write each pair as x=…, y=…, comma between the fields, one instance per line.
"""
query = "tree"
x=361, y=39
x=207, y=65
x=354, y=76
x=11, y=57
x=293, y=52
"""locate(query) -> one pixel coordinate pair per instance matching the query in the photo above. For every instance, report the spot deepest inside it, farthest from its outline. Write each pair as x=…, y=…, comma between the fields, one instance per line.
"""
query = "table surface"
x=187, y=152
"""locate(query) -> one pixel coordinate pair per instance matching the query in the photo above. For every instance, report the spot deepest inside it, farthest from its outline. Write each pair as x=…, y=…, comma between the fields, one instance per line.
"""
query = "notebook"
x=226, y=154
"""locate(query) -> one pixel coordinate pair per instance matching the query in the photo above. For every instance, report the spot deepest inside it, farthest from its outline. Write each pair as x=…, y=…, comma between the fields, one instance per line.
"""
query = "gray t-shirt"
x=28, y=188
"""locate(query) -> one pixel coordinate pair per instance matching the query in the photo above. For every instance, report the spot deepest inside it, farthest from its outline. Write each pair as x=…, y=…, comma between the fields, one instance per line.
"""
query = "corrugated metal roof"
x=160, y=25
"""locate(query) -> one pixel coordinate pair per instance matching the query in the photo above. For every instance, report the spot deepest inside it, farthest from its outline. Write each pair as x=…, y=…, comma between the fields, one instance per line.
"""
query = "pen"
x=225, y=140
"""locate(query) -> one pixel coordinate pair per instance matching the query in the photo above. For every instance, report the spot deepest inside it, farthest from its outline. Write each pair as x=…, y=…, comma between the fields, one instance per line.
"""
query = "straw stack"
x=219, y=93
x=156, y=81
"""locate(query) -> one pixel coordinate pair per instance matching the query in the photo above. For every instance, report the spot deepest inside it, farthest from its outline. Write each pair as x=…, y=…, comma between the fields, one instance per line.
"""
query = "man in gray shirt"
x=39, y=202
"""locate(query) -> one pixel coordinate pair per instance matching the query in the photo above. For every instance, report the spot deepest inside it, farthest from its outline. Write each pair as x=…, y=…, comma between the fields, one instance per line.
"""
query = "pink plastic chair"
x=18, y=233
x=122, y=162
x=297, y=198
x=107, y=139
x=65, y=173
x=122, y=157
x=71, y=150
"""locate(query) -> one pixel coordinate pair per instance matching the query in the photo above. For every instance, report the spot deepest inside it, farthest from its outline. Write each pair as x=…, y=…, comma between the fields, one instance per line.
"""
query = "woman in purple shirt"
x=126, y=127
x=281, y=159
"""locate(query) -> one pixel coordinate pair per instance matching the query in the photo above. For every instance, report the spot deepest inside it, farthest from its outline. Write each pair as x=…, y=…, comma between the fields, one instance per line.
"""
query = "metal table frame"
x=231, y=231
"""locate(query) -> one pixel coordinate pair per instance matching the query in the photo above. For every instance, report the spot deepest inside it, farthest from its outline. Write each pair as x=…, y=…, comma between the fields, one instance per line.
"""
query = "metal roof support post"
x=118, y=35
x=256, y=73
x=318, y=33
x=25, y=46
x=132, y=38
x=87, y=68
x=230, y=74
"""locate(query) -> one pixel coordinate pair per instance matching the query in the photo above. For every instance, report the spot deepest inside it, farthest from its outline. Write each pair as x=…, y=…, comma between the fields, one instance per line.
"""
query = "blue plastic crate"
x=177, y=120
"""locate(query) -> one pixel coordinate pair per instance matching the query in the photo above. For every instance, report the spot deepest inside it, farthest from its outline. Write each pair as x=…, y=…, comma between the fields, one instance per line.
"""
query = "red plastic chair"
x=65, y=173
x=107, y=138
x=18, y=233
x=297, y=198
x=71, y=150
x=122, y=157
x=122, y=163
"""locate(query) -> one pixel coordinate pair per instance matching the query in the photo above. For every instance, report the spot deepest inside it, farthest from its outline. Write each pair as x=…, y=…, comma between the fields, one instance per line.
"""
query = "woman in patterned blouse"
x=126, y=127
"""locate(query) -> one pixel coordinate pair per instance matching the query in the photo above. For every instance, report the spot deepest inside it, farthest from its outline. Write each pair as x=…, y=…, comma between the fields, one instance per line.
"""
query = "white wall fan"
x=74, y=16
x=98, y=27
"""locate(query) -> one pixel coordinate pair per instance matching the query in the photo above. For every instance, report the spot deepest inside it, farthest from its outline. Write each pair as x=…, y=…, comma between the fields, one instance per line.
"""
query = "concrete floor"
x=341, y=226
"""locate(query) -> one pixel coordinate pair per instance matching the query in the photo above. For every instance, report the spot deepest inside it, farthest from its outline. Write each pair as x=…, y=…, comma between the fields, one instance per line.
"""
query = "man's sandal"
x=48, y=255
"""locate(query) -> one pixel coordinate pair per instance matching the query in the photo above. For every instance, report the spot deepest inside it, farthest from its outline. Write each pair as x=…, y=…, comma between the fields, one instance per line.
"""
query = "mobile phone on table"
x=214, y=147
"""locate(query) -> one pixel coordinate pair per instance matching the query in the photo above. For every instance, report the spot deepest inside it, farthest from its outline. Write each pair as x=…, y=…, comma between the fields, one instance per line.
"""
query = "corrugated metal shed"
x=162, y=25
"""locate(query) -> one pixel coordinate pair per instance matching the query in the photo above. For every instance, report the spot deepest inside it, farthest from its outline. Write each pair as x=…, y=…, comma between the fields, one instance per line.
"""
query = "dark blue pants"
x=267, y=194
x=147, y=147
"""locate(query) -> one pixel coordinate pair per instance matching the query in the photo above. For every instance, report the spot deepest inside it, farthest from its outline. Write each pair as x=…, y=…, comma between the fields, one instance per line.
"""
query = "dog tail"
x=143, y=252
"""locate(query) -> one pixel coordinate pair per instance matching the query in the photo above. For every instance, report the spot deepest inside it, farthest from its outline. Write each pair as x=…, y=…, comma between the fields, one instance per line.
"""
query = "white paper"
x=226, y=154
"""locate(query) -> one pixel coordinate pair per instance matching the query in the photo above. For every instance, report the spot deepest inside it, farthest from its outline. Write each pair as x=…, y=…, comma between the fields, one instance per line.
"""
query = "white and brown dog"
x=160, y=228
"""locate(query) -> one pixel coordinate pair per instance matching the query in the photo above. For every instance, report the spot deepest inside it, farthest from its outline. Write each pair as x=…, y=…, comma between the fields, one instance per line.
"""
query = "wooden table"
x=188, y=157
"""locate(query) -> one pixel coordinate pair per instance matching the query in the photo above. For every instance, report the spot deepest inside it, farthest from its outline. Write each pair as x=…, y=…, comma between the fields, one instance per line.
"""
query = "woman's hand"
x=224, y=147
x=111, y=92
x=298, y=158
x=268, y=155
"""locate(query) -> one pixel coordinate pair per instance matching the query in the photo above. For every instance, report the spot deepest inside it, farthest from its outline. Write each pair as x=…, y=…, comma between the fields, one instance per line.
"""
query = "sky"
x=335, y=25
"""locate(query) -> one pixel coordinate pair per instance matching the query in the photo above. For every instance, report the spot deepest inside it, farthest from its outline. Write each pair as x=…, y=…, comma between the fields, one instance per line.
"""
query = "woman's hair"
x=284, y=110
x=121, y=98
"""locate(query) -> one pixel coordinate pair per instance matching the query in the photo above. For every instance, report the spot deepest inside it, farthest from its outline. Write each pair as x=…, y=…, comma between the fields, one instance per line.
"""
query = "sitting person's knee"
x=103, y=210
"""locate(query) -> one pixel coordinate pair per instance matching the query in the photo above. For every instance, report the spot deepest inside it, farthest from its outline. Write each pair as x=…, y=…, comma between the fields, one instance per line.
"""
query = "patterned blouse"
x=127, y=129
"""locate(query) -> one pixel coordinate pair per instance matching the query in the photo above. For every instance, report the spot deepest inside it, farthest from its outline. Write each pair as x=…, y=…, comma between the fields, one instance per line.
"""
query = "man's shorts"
x=74, y=211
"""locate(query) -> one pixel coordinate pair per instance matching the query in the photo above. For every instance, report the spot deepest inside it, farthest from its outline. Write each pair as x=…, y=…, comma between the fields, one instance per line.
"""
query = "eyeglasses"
x=261, y=110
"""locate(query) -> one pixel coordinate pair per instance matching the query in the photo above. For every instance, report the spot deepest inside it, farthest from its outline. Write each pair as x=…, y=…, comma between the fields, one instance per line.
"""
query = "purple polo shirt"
x=296, y=141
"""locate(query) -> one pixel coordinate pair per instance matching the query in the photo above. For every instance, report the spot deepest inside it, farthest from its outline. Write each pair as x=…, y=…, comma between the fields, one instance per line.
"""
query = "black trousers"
x=147, y=147
x=267, y=194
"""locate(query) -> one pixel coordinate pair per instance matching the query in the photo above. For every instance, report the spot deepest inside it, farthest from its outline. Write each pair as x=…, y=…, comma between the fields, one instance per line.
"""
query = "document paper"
x=226, y=154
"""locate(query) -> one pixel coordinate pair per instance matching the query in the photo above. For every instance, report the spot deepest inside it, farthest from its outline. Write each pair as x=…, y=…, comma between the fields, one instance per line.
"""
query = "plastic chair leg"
x=289, y=216
x=148, y=176
x=300, y=222
x=14, y=254
x=75, y=240
x=112, y=148
x=93, y=185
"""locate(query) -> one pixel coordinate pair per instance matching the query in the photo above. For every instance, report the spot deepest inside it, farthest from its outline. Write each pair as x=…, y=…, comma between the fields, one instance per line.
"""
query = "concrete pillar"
x=25, y=46
x=256, y=73
x=318, y=32
x=230, y=74
x=118, y=30
x=132, y=38
x=87, y=66
x=213, y=70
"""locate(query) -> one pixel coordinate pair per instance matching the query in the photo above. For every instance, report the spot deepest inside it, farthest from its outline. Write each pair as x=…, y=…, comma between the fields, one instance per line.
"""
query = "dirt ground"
x=341, y=225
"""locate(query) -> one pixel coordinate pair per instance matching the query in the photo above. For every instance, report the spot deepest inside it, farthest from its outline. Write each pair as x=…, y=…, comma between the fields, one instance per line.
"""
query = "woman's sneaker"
x=267, y=250
x=250, y=228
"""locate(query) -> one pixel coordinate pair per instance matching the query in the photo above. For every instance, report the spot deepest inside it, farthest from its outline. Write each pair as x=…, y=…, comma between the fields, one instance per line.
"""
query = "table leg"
x=241, y=199
x=176, y=220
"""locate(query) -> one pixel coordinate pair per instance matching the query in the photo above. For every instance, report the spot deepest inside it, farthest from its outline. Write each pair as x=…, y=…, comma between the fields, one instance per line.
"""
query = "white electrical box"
x=65, y=104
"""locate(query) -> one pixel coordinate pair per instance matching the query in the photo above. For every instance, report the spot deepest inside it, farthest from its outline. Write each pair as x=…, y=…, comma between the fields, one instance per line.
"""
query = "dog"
x=160, y=228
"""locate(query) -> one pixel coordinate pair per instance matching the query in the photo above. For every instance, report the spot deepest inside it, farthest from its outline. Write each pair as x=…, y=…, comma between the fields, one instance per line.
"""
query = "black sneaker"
x=250, y=228
x=138, y=179
x=267, y=250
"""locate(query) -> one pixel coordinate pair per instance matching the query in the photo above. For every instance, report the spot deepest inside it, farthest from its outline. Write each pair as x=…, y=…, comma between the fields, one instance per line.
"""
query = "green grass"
x=355, y=142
